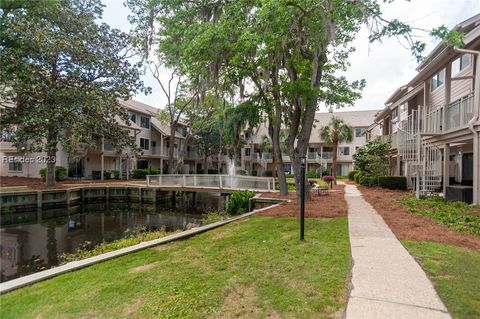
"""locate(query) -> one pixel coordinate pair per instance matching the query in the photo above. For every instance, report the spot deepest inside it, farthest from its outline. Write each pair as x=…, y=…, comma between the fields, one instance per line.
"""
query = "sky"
x=385, y=66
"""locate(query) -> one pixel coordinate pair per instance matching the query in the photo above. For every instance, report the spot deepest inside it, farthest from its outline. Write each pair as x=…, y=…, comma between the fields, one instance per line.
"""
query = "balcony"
x=449, y=117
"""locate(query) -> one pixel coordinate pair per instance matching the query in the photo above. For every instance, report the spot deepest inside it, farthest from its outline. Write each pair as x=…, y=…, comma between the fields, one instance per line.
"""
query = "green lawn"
x=252, y=268
x=455, y=272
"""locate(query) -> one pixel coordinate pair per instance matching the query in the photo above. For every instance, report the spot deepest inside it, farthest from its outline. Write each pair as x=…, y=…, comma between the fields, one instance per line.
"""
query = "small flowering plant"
x=328, y=179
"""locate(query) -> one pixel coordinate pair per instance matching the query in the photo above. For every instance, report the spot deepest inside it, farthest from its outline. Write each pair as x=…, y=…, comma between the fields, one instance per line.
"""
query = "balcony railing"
x=393, y=138
x=449, y=117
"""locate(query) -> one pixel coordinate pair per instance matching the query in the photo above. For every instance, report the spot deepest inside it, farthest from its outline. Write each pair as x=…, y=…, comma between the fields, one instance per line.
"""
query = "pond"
x=32, y=241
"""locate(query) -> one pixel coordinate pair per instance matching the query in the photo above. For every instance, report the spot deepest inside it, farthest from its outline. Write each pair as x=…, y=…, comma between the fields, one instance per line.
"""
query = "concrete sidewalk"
x=386, y=281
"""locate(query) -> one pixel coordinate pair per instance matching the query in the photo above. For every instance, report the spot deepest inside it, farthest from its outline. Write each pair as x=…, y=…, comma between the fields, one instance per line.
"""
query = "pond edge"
x=14, y=284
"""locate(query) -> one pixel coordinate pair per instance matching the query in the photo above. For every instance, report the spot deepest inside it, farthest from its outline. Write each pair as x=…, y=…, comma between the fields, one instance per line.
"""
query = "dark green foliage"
x=351, y=175
x=367, y=179
x=64, y=72
x=372, y=158
x=456, y=215
x=143, y=172
x=356, y=177
x=113, y=174
x=288, y=175
x=254, y=173
x=238, y=202
x=371, y=161
x=313, y=174
x=212, y=171
x=268, y=173
x=392, y=182
x=60, y=173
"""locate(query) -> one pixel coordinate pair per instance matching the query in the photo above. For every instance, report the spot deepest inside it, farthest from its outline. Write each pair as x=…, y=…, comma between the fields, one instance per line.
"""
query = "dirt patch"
x=333, y=205
x=133, y=308
x=162, y=247
x=410, y=226
x=37, y=183
x=142, y=268
x=240, y=303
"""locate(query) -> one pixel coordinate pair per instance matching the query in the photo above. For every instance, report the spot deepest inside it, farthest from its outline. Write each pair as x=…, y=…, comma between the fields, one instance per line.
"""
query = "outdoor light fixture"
x=303, y=161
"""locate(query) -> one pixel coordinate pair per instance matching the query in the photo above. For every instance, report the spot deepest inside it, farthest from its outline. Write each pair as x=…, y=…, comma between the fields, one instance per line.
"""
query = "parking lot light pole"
x=302, y=197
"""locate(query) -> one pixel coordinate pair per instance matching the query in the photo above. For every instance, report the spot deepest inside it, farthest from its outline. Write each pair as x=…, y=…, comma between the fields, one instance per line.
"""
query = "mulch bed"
x=410, y=226
x=37, y=183
x=333, y=205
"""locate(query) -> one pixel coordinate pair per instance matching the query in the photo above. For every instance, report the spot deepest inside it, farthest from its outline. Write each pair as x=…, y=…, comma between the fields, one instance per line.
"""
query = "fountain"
x=231, y=173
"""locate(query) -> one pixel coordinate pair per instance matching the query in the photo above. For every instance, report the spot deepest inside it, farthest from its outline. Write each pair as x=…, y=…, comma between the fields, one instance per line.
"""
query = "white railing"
x=212, y=181
x=458, y=113
x=448, y=117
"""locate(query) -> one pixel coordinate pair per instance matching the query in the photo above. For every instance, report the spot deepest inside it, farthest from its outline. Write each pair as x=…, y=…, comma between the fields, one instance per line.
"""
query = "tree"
x=285, y=56
x=64, y=74
x=237, y=118
x=337, y=131
x=372, y=159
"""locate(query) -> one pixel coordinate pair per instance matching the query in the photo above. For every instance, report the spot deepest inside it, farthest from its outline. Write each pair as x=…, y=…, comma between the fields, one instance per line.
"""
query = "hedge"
x=392, y=182
x=351, y=175
x=142, y=173
x=60, y=173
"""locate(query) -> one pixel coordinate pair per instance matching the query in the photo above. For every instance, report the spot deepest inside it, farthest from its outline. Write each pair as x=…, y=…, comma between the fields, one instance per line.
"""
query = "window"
x=395, y=114
x=182, y=130
x=133, y=117
x=359, y=132
x=460, y=64
x=247, y=135
x=403, y=108
x=247, y=151
x=15, y=167
x=344, y=150
x=144, y=122
x=144, y=144
x=437, y=80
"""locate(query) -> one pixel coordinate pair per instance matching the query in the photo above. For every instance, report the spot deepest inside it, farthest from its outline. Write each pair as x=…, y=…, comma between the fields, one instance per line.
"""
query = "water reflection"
x=32, y=241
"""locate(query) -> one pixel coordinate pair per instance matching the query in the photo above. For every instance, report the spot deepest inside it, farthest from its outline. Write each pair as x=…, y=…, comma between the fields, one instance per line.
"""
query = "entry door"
x=467, y=169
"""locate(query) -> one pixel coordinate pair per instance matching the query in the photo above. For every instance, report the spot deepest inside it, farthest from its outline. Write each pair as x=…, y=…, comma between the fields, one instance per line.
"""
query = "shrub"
x=288, y=175
x=351, y=175
x=392, y=182
x=238, y=202
x=268, y=173
x=60, y=173
x=356, y=177
x=142, y=173
x=212, y=171
x=367, y=179
x=254, y=173
x=312, y=174
x=328, y=179
x=111, y=174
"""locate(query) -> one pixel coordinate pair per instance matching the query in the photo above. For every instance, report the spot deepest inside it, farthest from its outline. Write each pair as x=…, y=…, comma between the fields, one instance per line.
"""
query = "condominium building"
x=433, y=121
x=256, y=159
x=151, y=135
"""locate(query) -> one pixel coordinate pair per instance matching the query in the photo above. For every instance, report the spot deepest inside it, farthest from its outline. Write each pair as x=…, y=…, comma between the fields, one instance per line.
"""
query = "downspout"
x=471, y=123
x=476, y=159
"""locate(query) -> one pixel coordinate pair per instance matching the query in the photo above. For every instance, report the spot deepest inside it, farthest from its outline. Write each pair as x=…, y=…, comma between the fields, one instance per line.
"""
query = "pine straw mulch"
x=410, y=226
x=326, y=206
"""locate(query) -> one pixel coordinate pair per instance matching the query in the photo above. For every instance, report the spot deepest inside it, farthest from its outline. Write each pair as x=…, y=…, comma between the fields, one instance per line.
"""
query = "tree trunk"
x=51, y=160
x=171, y=158
x=334, y=163
x=277, y=155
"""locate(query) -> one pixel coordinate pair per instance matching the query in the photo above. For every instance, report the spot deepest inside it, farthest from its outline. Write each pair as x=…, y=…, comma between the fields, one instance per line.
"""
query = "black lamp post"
x=303, y=161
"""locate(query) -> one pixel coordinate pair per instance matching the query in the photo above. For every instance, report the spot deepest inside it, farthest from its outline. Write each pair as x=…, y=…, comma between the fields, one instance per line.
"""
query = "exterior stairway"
x=423, y=159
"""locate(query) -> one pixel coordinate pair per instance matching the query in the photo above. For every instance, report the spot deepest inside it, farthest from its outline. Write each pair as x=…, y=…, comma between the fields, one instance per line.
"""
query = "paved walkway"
x=386, y=280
